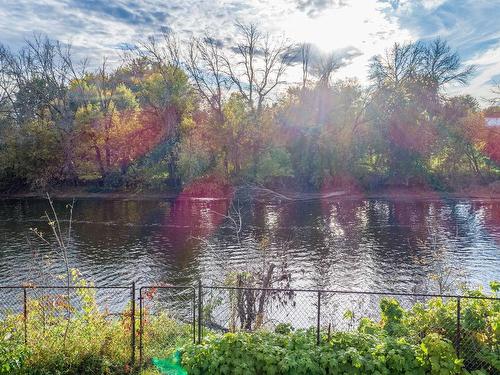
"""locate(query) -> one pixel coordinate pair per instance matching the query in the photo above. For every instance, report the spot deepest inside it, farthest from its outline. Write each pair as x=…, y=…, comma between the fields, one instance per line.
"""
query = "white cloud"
x=98, y=27
x=360, y=25
x=432, y=4
x=488, y=64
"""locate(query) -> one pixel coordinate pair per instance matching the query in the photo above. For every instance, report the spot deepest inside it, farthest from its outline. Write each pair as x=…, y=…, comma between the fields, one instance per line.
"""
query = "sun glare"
x=359, y=27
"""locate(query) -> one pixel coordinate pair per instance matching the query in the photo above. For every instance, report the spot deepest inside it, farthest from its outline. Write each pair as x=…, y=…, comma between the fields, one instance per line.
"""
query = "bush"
x=480, y=328
x=297, y=353
x=113, y=180
x=12, y=353
x=415, y=341
x=89, y=342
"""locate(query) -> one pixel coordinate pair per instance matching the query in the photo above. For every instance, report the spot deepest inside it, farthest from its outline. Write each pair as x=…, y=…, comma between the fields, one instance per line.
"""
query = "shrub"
x=480, y=328
x=113, y=180
x=89, y=342
x=297, y=353
x=13, y=353
x=415, y=341
x=439, y=355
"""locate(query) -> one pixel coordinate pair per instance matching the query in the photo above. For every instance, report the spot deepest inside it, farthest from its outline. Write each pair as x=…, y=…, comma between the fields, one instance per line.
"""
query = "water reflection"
x=360, y=244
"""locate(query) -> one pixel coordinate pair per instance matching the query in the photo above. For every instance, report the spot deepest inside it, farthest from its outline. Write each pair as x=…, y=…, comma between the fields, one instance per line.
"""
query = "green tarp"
x=171, y=365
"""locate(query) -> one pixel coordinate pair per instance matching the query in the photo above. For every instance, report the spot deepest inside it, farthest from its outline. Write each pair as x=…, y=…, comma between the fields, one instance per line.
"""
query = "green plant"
x=479, y=327
x=13, y=353
x=94, y=343
x=439, y=355
x=297, y=353
x=415, y=341
x=392, y=316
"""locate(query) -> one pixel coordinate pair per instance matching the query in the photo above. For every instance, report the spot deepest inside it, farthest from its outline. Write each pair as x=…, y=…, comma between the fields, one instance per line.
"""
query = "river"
x=362, y=244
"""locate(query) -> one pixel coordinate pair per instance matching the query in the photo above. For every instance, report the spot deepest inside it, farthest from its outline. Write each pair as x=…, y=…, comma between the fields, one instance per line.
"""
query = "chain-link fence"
x=167, y=319
x=466, y=321
x=13, y=312
x=43, y=315
x=231, y=309
x=170, y=316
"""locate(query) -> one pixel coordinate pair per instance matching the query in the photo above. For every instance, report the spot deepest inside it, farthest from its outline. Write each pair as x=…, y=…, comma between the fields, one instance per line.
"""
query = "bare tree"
x=446, y=277
x=61, y=247
x=494, y=101
x=399, y=63
x=442, y=65
x=205, y=64
x=162, y=51
x=434, y=61
x=7, y=84
x=257, y=65
x=305, y=57
x=324, y=68
x=259, y=272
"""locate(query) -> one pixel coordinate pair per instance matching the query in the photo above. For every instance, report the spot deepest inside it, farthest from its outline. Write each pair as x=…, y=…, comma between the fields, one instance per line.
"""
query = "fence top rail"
x=284, y=290
x=65, y=287
x=289, y=290
x=186, y=287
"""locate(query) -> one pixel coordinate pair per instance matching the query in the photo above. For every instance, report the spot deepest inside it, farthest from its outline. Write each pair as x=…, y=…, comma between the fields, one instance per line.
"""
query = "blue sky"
x=357, y=29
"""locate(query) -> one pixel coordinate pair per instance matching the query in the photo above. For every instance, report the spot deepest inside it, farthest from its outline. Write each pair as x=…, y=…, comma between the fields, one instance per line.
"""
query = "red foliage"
x=198, y=210
x=492, y=148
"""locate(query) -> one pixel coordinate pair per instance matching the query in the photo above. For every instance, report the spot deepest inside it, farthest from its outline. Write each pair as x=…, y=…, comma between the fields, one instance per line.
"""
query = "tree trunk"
x=98, y=158
x=262, y=299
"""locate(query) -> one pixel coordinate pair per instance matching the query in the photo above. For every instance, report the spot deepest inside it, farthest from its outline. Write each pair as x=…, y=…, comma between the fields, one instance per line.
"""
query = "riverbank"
x=79, y=193
x=400, y=193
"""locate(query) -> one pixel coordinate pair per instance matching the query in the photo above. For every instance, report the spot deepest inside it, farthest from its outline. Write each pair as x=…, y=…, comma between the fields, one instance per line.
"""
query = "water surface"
x=362, y=244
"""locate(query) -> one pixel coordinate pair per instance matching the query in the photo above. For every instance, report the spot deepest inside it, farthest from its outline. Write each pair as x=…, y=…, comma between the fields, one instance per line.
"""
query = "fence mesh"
x=479, y=330
x=409, y=316
x=233, y=309
x=170, y=316
x=167, y=320
x=344, y=311
x=11, y=300
x=12, y=314
x=48, y=318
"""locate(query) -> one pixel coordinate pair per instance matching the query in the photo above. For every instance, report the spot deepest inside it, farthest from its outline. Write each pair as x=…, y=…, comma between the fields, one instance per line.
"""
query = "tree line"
x=176, y=111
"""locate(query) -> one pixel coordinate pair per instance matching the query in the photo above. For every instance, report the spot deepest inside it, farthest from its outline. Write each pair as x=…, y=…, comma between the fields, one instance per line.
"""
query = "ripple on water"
x=358, y=244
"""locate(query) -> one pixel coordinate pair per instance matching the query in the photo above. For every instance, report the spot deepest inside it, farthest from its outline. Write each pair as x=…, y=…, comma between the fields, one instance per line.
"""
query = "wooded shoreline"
x=476, y=192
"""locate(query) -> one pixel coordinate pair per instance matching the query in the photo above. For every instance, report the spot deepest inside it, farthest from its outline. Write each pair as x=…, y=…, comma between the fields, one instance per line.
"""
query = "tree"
x=305, y=59
x=442, y=65
x=103, y=118
x=33, y=83
x=397, y=66
x=166, y=97
x=257, y=65
x=407, y=102
x=326, y=125
x=174, y=111
x=205, y=63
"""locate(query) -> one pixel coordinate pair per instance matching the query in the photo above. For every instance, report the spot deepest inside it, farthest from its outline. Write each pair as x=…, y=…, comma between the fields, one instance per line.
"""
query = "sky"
x=355, y=30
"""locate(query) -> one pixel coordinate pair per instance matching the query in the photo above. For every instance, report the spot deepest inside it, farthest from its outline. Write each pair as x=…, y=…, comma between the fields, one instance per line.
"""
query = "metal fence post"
x=132, y=324
x=318, y=322
x=141, y=327
x=458, y=335
x=25, y=315
x=200, y=308
x=194, y=315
